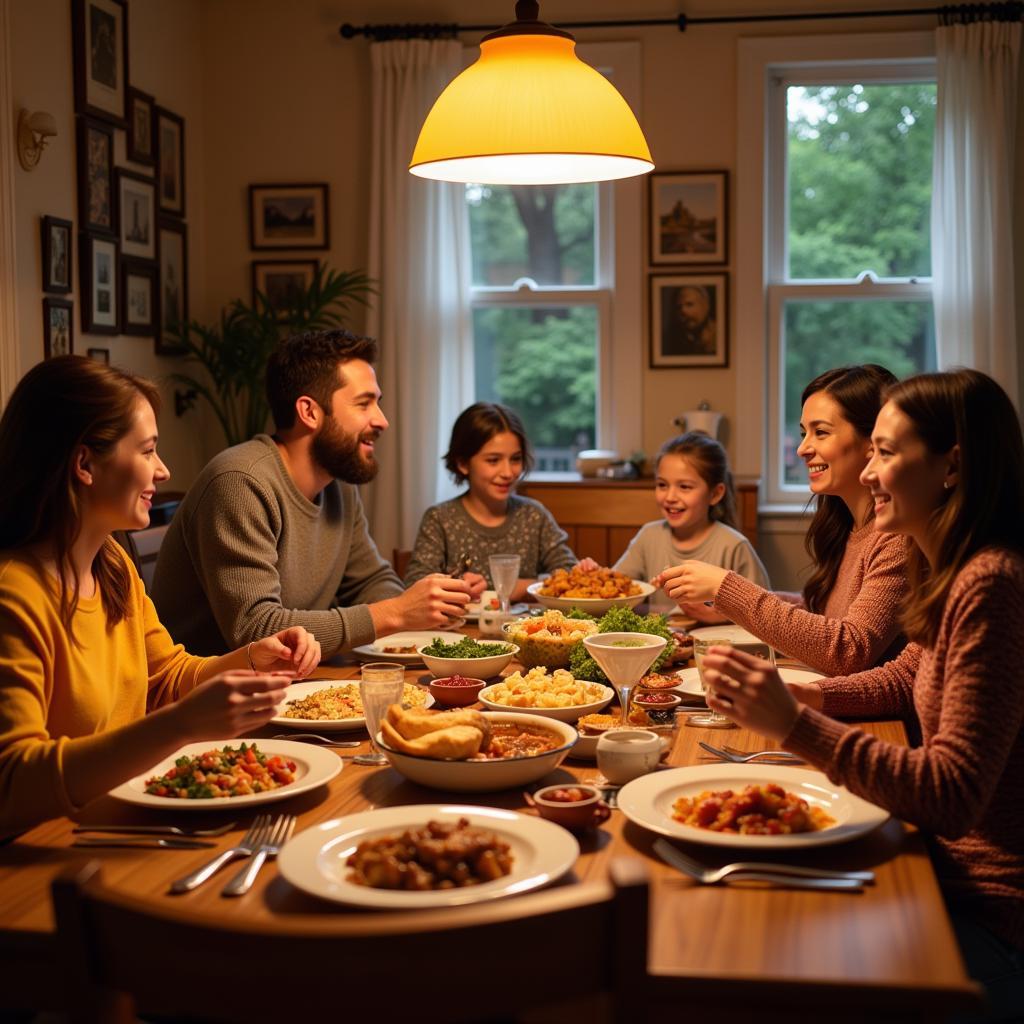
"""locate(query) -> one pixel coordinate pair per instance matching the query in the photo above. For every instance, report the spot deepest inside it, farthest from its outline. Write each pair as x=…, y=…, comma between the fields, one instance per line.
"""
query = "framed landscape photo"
x=687, y=217
x=136, y=214
x=58, y=328
x=172, y=287
x=689, y=320
x=100, y=40
x=139, y=284
x=282, y=281
x=288, y=216
x=99, y=284
x=170, y=155
x=56, y=249
x=141, y=141
x=96, y=177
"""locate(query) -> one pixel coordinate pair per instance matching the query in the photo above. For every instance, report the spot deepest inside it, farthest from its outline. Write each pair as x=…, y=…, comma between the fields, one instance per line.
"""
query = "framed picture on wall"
x=100, y=40
x=281, y=282
x=99, y=284
x=141, y=145
x=101, y=355
x=96, y=177
x=687, y=217
x=170, y=155
x=58, y=329
x=136, y=214
x=139, y=283
x=56, y=249
x=688, y=320
x=288, y=216
x=172, y=287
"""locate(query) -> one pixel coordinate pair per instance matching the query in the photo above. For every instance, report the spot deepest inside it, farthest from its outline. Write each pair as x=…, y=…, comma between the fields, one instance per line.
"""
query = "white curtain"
x=419, y=255
x=972, y=199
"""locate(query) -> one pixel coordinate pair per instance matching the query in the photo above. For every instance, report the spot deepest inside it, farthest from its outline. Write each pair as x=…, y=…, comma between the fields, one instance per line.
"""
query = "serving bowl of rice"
x=548, y=639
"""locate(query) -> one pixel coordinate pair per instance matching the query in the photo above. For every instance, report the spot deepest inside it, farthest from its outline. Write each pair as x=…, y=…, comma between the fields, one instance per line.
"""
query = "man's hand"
x=477, y=584
x=432, y=602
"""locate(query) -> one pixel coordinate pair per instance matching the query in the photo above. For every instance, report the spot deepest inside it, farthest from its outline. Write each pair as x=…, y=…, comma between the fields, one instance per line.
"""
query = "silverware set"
x=731, y=754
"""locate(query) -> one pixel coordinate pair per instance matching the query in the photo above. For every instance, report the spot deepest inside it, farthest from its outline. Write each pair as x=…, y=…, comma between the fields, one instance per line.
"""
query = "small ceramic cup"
x=491, y=622
x=626, y=754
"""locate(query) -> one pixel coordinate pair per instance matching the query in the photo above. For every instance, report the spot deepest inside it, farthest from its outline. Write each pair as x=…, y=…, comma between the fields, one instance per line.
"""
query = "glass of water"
x=709, y=719
x=504, y=576
x=380, y=685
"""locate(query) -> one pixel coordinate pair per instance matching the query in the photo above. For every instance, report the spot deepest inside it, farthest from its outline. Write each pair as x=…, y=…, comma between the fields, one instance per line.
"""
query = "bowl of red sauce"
x=456, y=691
x=656, y=700
x=571, y=806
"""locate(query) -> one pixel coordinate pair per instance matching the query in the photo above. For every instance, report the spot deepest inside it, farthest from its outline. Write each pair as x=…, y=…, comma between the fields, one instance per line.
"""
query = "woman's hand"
x=702, y=613
x=477, y=584
x=293, y=650
x=230, y=704
x=810, y=694
x=691, y=581
x=750, y=691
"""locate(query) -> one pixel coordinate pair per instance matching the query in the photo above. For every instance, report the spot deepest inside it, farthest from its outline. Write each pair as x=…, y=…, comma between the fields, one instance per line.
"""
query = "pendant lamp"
x=530, y=112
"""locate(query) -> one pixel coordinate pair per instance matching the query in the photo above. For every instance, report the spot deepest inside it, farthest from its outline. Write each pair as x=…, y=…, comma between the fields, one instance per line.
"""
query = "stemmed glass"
x=624, y=658
x=380, y=685
x=504, y=574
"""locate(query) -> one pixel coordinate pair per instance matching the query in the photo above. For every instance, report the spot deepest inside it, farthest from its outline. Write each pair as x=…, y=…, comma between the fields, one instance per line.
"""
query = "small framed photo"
x=288, y=216
x=96, y=177
x=170, y=155
x=688, y=320
x=98, y=260
x=58, y=331
x=280, y=282
x=100, y=41
x=172, y=287
x=136, y=214
x=56, y=238
x=139, y=283
x=687, y=217
x=141, y=134
x=101, y=355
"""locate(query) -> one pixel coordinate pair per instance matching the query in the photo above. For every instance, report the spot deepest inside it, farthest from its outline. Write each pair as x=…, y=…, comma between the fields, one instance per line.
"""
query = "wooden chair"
x=120, y=954
x=400, y=559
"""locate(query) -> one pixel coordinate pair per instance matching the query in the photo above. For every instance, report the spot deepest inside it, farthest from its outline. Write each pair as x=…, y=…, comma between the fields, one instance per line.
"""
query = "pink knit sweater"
x=965, y=783
x=858, y=628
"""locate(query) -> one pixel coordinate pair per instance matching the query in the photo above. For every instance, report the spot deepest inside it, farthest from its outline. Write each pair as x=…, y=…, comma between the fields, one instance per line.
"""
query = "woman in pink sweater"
x=947, y=471
x=845, y=619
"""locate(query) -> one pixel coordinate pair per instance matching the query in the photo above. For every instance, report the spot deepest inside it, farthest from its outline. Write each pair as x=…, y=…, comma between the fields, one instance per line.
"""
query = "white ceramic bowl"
x=595, y=606
x=588, y=462
x=474, y=668
x=484, y=776
x=570, y=714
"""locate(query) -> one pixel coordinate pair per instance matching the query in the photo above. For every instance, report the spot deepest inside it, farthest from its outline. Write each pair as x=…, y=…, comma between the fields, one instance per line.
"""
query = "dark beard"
x=337, y=453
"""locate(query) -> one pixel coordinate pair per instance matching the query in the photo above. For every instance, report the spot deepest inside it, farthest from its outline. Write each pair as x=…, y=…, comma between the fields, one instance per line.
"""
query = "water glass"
x=504, y=576
x=381, y=684
x=709, y=719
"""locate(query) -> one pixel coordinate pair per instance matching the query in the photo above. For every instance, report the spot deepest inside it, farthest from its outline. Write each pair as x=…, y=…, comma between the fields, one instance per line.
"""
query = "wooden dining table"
x=738, y=953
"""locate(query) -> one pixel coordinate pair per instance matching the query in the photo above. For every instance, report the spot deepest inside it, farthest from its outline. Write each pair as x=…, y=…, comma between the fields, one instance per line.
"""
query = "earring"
x=946, y=485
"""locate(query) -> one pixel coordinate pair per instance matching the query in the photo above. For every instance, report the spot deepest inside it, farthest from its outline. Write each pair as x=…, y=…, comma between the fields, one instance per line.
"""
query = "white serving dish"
x=476, y=668
x=377, y=651
x=570, y=714
x=593, y=606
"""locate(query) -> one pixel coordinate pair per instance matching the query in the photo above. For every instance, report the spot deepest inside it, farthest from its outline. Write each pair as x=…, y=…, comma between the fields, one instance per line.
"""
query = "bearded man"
x=272, y=533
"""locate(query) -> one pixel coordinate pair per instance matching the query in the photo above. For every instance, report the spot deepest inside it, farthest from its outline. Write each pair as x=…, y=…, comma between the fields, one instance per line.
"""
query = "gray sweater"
x=247, y=554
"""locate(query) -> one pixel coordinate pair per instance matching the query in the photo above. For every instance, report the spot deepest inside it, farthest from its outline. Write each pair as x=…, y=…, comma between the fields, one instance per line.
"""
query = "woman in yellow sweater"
x=92, y=689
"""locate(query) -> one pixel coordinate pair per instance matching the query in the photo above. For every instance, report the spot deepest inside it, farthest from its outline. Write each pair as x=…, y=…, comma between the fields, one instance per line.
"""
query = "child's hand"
x=691, y=582
x=587, y=565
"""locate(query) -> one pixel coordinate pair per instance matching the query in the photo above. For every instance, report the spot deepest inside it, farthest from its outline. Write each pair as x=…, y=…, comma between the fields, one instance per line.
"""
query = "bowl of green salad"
x=480, y=659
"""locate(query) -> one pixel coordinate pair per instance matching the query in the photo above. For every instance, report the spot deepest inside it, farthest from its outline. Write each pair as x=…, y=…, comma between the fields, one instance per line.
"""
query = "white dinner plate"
x=648, y=801
x=297, y=691
x=727, y=631
x=313, y=767
x=416, y=638
x=689, y=680
x=314, y=860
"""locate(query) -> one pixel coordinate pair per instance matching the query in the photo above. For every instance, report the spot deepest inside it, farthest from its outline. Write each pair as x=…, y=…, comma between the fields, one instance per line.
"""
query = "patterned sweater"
x=965, y=783
x=858, y=628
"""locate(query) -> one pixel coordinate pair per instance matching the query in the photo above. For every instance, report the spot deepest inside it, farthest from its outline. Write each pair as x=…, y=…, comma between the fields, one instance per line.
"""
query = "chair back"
x=400, y=558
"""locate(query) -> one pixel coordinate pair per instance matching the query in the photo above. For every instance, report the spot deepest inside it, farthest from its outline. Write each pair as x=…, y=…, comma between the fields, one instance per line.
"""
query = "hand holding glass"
x=504, y=574
x=381, y=684
x=701, y=645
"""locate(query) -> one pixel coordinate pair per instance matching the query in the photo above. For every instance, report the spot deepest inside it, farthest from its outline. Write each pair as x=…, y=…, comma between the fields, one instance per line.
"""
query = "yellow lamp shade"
x=530, y=112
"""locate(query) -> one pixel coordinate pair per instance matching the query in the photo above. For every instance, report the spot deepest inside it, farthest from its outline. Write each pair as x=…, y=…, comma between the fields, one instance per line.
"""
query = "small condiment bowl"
x=574, y=814
x=655, y=700
x=459, y=695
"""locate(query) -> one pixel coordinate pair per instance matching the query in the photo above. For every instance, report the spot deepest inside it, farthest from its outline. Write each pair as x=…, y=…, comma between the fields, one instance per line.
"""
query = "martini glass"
x=624, y=658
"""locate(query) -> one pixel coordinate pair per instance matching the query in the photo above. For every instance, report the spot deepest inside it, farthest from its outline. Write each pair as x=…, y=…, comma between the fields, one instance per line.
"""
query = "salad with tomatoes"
x=230, y=771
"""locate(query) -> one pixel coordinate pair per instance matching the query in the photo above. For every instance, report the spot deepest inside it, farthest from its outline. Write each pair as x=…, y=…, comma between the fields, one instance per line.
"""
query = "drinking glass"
x=712, y=719
x=504, y=575
x=381, y=684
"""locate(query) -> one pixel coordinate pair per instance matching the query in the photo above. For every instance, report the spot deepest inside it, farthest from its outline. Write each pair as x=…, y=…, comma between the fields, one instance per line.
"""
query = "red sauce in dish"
x=458, y=681
x=655, y=698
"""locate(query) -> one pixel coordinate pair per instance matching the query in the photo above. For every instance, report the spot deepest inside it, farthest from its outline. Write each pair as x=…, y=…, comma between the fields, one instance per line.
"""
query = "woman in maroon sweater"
x=947, y=470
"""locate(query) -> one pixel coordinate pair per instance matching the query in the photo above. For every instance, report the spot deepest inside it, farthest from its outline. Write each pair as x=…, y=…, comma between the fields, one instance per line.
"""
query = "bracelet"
x=248, y=655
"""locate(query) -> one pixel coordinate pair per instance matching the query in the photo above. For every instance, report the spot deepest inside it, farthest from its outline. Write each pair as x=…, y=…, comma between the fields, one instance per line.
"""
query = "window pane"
x=544, y=232
x=860, y=180
x=542, y=361
x=818, y=336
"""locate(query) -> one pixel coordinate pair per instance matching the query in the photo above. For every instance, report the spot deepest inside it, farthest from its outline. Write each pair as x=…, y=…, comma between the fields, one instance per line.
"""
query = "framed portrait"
x=56, y=250
x=99, y=262
x=172, y=287
x=170, y=157
x=58, y=329
x=136, y=214
x=101, y=355
x=96, y=211
x=281, y=281
x=288, y=217
x=141, y=133
x=689, y=320
x=139, y=283
x=687, y=217
x=100, y=40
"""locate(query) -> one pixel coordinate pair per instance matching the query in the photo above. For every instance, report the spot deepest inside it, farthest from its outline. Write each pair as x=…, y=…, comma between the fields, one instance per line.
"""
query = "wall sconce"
x=33, y=132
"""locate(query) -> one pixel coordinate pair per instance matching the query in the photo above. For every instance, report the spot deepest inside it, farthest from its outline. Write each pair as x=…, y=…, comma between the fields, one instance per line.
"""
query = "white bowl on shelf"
x=590, y=461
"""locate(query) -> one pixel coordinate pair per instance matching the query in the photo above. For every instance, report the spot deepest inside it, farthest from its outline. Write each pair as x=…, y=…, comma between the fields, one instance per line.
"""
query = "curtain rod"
x=1011, y=11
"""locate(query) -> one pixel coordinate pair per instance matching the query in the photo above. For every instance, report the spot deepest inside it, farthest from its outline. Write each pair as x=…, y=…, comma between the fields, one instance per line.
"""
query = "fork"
x=791, y=875
x=258, y=832
x=158, y=830
x=740, y=757
x=144, y=842
x=280, y=832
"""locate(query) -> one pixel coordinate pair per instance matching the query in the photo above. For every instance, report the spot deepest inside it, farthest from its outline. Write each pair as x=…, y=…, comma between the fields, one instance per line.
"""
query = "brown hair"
x=58, y=406
x=475, y=427
x=712, y=463
x=986, y=507
x=857, y=390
